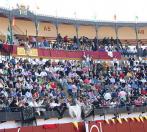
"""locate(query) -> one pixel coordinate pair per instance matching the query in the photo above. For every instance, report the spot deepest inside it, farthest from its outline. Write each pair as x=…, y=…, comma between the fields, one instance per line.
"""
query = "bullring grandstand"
x=59, y=74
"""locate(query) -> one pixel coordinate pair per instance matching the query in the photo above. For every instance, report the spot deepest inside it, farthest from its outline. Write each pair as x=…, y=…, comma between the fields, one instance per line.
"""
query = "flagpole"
x=77, y=34
x=36, y=25
x=116, y=31
x=10, y=23
x=96, y=28
x=136, y=32
x=57, y=23
x=11, y=32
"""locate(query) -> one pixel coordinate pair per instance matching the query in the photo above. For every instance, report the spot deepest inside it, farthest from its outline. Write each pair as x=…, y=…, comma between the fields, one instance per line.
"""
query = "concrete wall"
x=142, y=33
x=49, y=30
x=22, y=26
x=88, y=31
x=3, y=25
x=106, y=32
x=126, y=33
x=68, y=30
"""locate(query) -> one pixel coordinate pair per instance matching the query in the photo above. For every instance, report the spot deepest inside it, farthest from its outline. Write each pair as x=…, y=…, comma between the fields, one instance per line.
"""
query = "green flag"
x=9, y=36
x=136, y=17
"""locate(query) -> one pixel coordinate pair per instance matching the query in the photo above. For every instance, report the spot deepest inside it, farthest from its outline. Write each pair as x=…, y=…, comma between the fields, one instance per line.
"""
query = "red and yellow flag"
x=113, y=120
x=107, y=121
x=119, y=120
x=138, y=119
x=132, y=118
x=145, y=117
x=76, y=125
x=126, y=119
x=141, y=118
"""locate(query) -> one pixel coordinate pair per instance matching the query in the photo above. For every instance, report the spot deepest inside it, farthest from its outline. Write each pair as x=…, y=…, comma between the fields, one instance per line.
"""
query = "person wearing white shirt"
x=43, y=74
x=33, y=61
x=37, y=74
x=28, y=94
x=112, y=80
x=53, y=104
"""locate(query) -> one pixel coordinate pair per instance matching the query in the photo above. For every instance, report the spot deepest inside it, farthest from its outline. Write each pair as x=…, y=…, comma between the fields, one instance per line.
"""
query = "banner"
x=33, y=52
x=22, y=52
x=63, y=54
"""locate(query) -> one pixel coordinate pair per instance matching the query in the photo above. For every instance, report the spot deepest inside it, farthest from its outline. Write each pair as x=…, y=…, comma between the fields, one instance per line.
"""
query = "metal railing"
x=20, y=114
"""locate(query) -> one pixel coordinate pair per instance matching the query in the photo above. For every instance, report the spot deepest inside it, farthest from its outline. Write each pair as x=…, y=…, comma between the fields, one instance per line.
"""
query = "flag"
x=76, y=125
x=107, y=121
x=113, y=120
x=132, y=118
x=126, y=119
x=9, y=37
x=115, y=17
x=141, y=118
x=138, y=119
x=145, y=117
x=136, y=17
x=13, y=22
x=119, y=120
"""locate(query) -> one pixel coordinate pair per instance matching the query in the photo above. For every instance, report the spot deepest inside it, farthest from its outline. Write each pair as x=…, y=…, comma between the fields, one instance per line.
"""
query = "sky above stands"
x=125, y=10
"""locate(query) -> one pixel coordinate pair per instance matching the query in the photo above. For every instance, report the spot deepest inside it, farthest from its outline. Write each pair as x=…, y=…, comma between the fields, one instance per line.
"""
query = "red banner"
x=62, y=54
x=58, y=54
x=44, y=53
x=93, y=126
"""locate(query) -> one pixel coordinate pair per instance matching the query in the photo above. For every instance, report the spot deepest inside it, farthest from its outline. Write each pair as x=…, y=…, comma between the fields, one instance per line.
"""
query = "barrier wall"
x=62, y=54
x=94, y=126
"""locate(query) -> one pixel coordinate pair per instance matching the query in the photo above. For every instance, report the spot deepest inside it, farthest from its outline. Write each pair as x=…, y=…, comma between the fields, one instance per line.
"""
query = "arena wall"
x=3, y=25
x=142, y=33
x=87, y=31
x=106, y=32
x=22, y=26
x=49, y=30
x=93, y=126
x=126, y=33
x=67, y=30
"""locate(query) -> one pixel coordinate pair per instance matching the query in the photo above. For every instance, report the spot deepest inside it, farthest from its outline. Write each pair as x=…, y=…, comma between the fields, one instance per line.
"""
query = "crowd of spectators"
x=56, y=85
x=84, y=43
